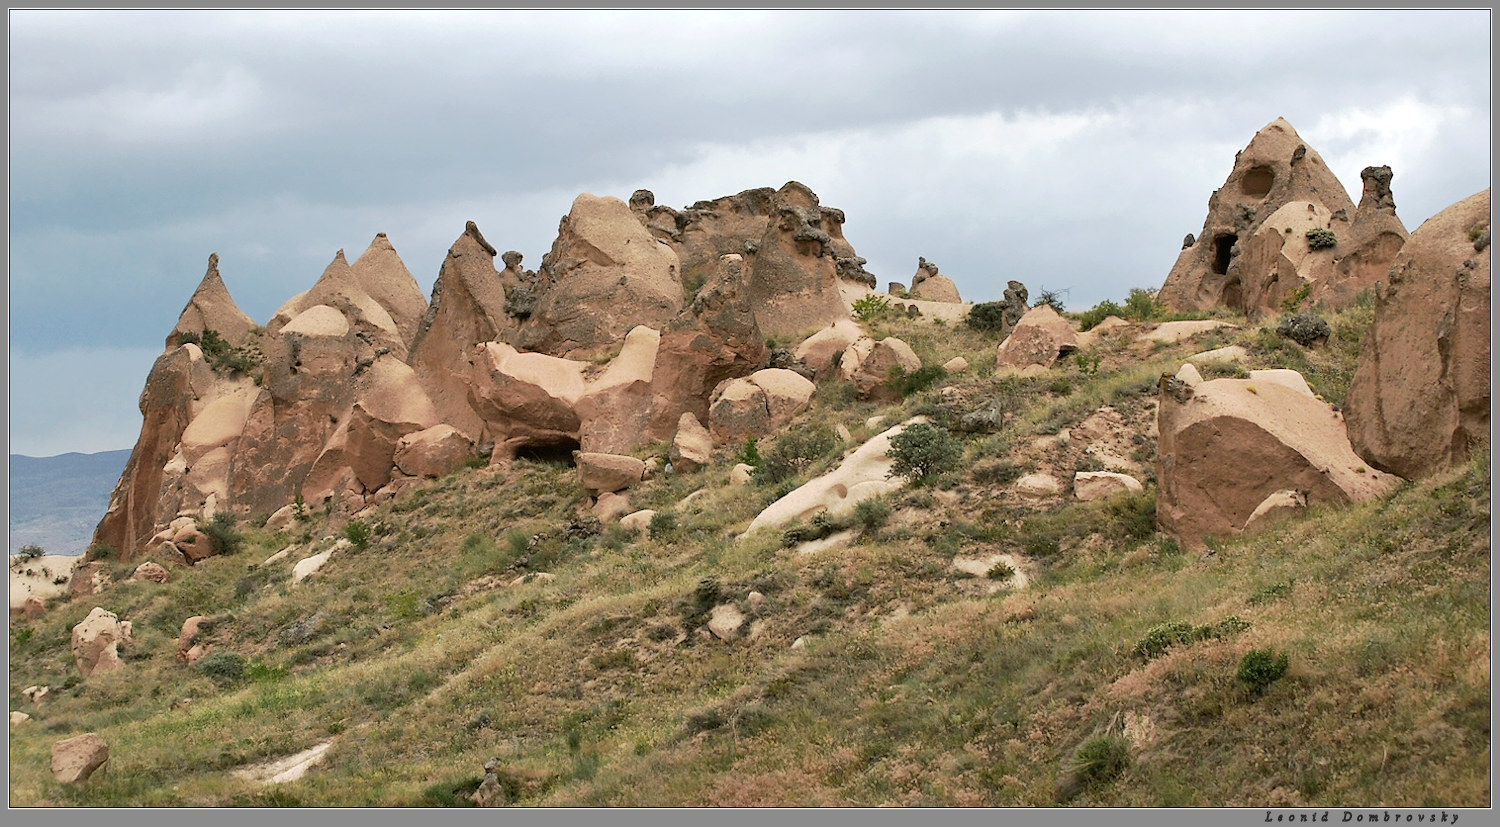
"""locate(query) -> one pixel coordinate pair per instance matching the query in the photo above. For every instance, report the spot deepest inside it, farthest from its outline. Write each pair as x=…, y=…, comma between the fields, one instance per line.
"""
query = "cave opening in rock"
x=1223, y=251
x=549, y=453
x=1257, y=182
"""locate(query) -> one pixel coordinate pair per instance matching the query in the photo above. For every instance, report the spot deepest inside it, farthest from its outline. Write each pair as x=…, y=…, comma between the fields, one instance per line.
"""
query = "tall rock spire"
x=212, y=308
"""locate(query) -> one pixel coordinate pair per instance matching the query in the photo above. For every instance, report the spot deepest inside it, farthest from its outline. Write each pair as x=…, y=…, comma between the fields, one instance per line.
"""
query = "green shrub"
x=921, y=451
x=1319, y=238
x=986, y=317
x=1167, y=635
x=1141, y=305
x=795, y=452
x=358, y=533
x=750, y=454
x=871, y=307
x=31, y=551
x=872, y=514
x=222, y=356
x=223, y=668
x=905, y=384
x=1100, y=760
x=1051, y=298
x=663, y=525
x=1090, y=318
x=1260, y=668
x=1001, y=571
x=222, y=532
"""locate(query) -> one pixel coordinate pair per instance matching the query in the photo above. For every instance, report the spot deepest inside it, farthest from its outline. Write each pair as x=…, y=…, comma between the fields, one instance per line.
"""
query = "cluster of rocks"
x=359, y=388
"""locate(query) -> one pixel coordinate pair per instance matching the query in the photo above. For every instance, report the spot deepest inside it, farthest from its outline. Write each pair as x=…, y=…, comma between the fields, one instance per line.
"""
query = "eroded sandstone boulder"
x=883, y=361
x=931, y=285
x=608, y=473
x=794, y=289
x=75, y=759
x=1420, y=399
x=758, y=404
x=432, y=452
x=1225, y=445
x=96, y=643
x=1036, y=342
x=692, y=446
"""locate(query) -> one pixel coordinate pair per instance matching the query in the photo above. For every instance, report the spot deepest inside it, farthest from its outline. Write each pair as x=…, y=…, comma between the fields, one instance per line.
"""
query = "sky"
x=1069, y=150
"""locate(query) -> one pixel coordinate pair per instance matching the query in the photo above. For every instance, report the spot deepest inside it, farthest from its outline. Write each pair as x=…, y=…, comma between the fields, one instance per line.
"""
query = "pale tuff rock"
x=610, y=507
x=820, y=350
x=77, y=758
x=1038, y=485
x=758, y=404
x=96, y=642
x=1097, y=485
x=1174, y=332
x=639, y=522
x=794, y=288
x=1227, y=444
x=1038, y=339
x=1254, y=254
x=692, y=447
x=190, y=647
x=1420, y=399
x=1277, y=507
x=608, y=473
x=383, y=276
x=212, y=308
x=957, y=364
x=863, y=474
x=432, y=452
x=875, y=368
x=725, y=621
x=740, y=474
x=152, y=572
x=931, y=285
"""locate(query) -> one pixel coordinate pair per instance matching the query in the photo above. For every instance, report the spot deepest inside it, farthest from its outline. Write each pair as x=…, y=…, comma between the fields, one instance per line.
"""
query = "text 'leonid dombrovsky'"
x=1367, y=817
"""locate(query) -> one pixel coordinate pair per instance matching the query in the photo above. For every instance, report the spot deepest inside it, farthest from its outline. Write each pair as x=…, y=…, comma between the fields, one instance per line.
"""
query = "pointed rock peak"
x=472, y=231
x=336, y=269
x=212, y=308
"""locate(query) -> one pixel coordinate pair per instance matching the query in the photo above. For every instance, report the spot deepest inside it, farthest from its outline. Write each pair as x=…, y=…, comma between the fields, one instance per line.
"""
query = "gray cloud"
x=1069, y=149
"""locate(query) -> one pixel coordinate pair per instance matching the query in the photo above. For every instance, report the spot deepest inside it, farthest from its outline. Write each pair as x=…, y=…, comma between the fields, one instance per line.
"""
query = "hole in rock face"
x=1223, y=251
x=551, y=453
x=1257, y=182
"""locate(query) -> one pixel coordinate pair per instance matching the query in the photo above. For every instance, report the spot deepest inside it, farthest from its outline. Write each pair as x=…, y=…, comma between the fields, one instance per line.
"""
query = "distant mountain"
x=55, y=502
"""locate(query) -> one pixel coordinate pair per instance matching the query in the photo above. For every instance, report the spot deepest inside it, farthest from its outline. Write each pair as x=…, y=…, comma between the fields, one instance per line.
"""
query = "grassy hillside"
x=1099, y=666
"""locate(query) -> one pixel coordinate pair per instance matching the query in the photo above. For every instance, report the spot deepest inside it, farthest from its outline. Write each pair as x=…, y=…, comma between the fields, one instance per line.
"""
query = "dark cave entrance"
x=1223, y=252
x=549, y=453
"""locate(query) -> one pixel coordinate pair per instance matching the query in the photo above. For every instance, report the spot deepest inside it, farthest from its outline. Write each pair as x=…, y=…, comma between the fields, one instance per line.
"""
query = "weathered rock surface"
x=96, y=643
x=605, y=275
x=75, y=759
x=1039, y=338
x=189, y=647
x=151, y=571
x=468, y=307
x=692, y=447
x=1237, y=260
x=821, y=350
x=872, y=376
x=794, y=288
x=931, y=285
x=432, y=452
x=608, y=473
x=863, y=474
x=1278, y=506
x=1227, y=444
x=382, y=275
x=1420, y=399
x=212, y=308
x=758, y=404
x=1097, y=485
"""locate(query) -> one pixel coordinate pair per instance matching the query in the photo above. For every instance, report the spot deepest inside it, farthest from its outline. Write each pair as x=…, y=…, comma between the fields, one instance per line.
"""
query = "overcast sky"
x=1069, y=150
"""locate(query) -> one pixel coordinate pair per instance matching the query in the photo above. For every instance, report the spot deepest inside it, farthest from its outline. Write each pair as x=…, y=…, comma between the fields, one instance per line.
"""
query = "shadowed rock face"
x=1420, y=399
x=1253, y=253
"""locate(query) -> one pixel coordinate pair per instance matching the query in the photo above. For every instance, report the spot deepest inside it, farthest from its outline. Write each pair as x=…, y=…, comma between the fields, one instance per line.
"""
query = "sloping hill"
x=969, y=644
x=55, y=502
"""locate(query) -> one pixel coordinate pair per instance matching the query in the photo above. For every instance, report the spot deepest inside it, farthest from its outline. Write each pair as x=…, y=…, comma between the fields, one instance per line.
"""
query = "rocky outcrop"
x=1420, y=399
x=822, y=351
x=608, y=473
x=382, y=275
x=1226, y=445
x=1253, y=250
x=1039, y=338
x=873, y=369
x=794, y=287
x=96, y=642
x=863, y=474
x=339, y=290
x=930, y=284
x=758, y=404
x=1097, y=485
x=605, y=275
x=468, y=307
x=212, y=308
x=75, y=759
x=432, y=452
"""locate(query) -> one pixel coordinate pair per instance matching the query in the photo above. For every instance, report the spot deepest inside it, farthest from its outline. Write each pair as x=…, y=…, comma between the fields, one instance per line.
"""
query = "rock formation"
x=96, y=642
x=75, y=759
x=1420, y=399
x=794, y=284
x=212, y=308
x=383, y=276
x=1227, y=444
x=757, y=404
x=1254, y=252
x=1039, y=338
x=930, y=284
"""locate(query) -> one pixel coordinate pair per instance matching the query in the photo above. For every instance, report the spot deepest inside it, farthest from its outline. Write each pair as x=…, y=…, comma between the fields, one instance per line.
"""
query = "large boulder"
x=692, y=446
x=608, y=473
x=75, y=759
x=1226, y=445
x=1420, y=399
x=1226, y=265
x=758, y=404
x=822, y=351
x=865, y=473
x=96, y=643
x=1038, y=339
x=872, y=375
x=432, y=452
x=930, y=284
x=605, y=275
